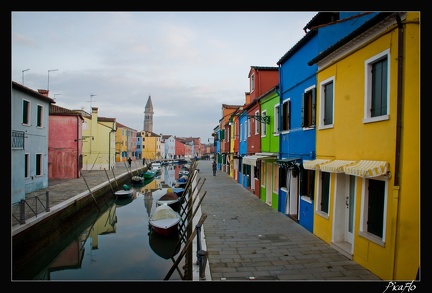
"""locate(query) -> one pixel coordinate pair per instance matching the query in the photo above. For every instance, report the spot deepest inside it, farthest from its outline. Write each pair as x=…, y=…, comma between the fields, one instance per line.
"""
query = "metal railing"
x=34, y=206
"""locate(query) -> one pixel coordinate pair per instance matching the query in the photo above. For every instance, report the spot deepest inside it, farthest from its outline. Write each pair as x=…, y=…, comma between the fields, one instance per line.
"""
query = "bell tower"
x=148, y=115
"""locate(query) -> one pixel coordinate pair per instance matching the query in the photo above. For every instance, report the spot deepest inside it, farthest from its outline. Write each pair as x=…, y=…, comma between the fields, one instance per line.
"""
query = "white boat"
x=164, y=220
x=124, y=193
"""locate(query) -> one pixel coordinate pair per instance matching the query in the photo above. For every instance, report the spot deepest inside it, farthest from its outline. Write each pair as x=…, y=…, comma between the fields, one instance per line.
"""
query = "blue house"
x=297, y=116
x=29, y=142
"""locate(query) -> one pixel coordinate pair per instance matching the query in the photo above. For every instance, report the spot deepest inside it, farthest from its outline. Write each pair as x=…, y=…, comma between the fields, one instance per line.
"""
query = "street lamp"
x=48, y=76
x=23, y=74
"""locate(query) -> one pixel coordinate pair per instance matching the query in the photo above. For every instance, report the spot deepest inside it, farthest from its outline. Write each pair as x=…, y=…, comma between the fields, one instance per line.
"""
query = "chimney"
x=43, y=92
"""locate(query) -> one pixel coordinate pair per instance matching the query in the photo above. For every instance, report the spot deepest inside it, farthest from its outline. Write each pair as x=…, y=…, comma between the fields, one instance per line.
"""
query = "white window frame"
x=276, y=120
x=318, y=192
x=252, y=82
x=368, y=87
x=42, y=109
x=289, y=117
x=28, y=112
x=249, y=127
x=322, y=103
x=257, y=123
x=263, y=124
x=364, y=212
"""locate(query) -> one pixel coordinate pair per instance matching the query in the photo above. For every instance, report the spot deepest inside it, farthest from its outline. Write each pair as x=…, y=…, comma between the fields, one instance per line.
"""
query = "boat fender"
x=126, y=187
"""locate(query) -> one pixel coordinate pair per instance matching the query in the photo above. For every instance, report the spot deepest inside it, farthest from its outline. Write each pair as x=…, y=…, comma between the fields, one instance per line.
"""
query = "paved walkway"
x=245, y=238
x=248, y=240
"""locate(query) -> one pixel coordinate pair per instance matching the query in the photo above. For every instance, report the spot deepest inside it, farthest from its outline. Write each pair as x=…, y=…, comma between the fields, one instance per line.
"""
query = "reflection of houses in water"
x=106, y=224
x=71, y=257
x=155, y=184
x=169, y=174
x=148, y=202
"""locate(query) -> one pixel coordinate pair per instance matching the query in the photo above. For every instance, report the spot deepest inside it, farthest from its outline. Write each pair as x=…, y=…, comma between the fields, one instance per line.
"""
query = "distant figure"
x=214, y=165
x=129, y=161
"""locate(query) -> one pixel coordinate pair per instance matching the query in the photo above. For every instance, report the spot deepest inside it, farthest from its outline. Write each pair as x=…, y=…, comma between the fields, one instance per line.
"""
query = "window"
x=26, y=112
x=263, y=124
x=326, y=105
x=276, y=119
x=27, y=166
x=249, y=127
x=257, y=123
x=377, y=84
x=39, y=116
x=308, y=108
x=324, y=193
x=373, y=201
x=307, y=183
x=286, y=115
x=252, y=82
x=39, y=164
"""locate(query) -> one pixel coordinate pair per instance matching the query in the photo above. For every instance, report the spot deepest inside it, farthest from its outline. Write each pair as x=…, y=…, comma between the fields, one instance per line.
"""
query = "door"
x=344, y=195
x=268, y=183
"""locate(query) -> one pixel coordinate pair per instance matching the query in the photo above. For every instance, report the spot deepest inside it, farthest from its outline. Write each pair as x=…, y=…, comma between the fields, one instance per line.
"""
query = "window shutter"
x=313, y=106
x=303, y=111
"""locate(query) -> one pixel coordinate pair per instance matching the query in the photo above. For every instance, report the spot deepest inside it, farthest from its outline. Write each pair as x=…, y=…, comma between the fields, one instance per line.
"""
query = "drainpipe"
x=396, y=187
x=399, y=97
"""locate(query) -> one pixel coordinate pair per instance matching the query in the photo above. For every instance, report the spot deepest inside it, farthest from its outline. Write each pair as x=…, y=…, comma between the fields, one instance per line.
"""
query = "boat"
x=171, y=199
x=181, y=182
x=137, y=179
x=125, y=192
x=149, y=174
x=164, y=220
x=156, y=166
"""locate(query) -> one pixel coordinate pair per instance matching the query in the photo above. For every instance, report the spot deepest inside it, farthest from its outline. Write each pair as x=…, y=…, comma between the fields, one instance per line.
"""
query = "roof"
x=30, y=92
x=361, y=29
x=60, y=111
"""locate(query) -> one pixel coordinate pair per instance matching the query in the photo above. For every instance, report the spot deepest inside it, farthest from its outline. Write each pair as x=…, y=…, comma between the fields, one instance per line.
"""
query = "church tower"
x=148, y=116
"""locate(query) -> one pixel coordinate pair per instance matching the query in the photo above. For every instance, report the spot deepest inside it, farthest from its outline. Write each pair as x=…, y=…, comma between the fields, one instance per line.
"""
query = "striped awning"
x=336, y=166
x=251, y=160
x=367, y=168
x=314, y=164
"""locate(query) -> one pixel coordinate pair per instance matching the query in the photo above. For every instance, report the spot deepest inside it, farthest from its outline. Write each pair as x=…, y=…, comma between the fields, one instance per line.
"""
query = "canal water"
x=118, y=244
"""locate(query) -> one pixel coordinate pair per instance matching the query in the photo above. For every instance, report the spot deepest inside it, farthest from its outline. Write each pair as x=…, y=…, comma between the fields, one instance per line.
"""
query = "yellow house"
x=367, y=183
x=151, y=146
x=98, y=135
x=125, y=143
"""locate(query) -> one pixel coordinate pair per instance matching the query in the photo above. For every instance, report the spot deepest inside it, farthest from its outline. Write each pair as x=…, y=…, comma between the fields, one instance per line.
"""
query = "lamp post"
x=49, y=70
x=23, y=74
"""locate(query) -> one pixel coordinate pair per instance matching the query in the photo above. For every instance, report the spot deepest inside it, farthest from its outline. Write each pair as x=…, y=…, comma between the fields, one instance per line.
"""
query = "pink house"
x=64, y=143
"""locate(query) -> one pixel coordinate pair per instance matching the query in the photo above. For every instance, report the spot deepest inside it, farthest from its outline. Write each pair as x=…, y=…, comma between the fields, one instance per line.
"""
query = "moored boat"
x=164, y=220
x=171, y=199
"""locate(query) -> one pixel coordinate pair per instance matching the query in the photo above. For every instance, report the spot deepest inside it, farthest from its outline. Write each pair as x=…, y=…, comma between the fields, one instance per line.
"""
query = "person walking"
x=129, y=161
x=214, y=165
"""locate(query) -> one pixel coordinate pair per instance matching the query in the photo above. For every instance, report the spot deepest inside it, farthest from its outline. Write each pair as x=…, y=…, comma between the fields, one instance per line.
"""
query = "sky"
x=190, y=63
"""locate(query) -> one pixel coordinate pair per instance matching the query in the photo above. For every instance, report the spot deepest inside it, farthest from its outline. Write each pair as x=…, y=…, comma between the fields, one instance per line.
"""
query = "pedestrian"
x=129, y=161
x=214, y=165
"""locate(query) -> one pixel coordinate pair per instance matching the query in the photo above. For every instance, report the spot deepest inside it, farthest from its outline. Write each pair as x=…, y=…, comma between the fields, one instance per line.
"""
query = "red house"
x=64, y=143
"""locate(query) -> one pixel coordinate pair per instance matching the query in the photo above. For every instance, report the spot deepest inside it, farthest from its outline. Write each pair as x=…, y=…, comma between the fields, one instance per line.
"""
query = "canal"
x=117, y=244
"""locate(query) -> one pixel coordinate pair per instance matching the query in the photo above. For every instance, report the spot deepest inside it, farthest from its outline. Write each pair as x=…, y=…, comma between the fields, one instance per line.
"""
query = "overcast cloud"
x=189, y=62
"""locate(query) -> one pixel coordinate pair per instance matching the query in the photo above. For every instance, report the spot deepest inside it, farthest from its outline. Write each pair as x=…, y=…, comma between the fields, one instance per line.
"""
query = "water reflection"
x=114, y=245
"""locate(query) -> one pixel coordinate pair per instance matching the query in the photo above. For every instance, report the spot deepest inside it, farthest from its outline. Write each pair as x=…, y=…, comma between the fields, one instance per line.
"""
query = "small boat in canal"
x=164, y=220
x=171, y=199
x=125, y=192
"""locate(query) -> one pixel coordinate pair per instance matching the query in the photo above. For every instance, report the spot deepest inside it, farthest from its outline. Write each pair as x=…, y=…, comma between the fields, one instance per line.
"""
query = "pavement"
x=246, y=239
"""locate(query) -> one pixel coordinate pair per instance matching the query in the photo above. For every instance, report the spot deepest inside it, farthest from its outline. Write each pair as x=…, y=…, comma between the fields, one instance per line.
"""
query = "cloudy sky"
x=190, y=63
